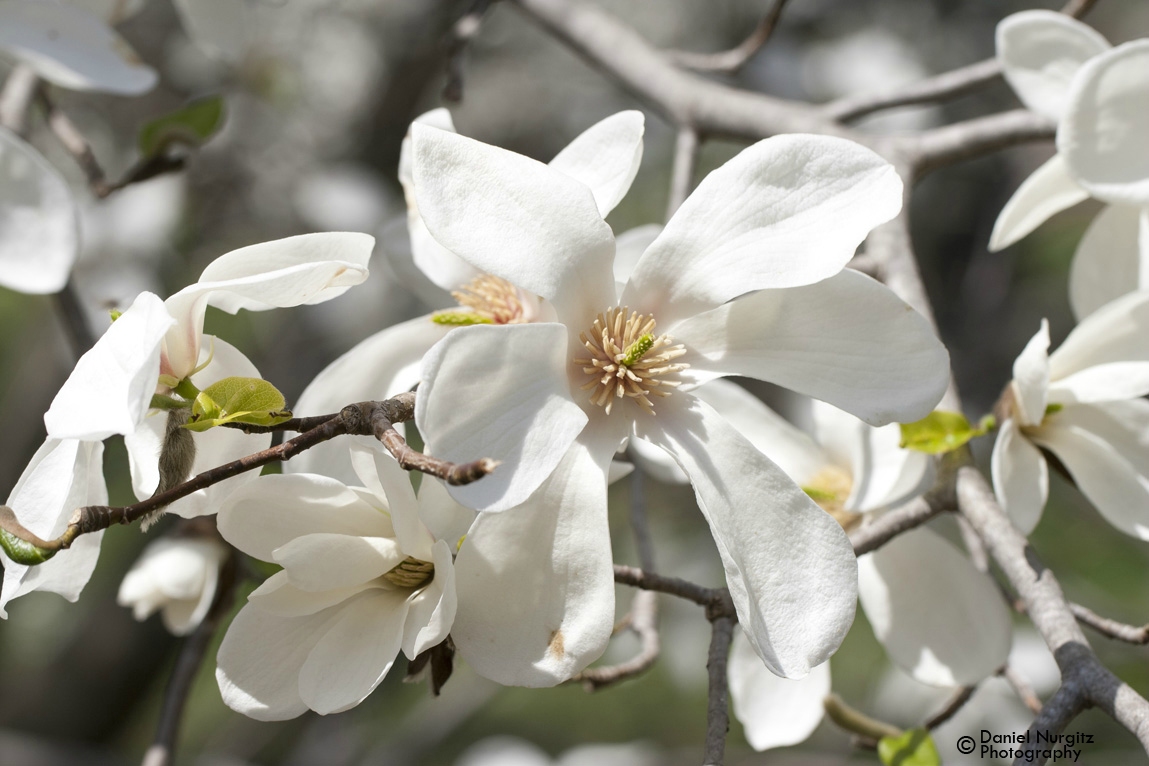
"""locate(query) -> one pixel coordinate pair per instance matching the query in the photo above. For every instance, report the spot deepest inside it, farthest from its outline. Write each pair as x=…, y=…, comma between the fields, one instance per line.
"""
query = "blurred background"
x=317, y=105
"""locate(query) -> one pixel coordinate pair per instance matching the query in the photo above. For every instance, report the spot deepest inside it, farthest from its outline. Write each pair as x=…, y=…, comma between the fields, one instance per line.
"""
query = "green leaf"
x=941, y=432
x=22, y=551
x=238, y=400
x=912, y=748
x=192, y=125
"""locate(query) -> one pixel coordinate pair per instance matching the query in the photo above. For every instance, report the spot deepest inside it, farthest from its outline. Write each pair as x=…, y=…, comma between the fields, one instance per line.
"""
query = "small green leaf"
x=941, y=432
x=912, y=748
x=22, y=551
x=192, y=125
x=238, y=400
x=115, y=314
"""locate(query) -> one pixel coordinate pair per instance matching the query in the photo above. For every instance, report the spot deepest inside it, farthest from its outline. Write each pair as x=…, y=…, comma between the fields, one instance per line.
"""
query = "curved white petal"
x=847, y=340
x=1048, y=191
x=258, y=664
x=274, y=510
x=71, y=47
x=380, y=473
x=442, y=514
x=1112, y=259
x=774, y=711
x=536, y=582
x=111, y=387
x=1114, y=334
x=325, y=561
x=1102, y=136
x=516, y=218
x=278, y=596
x=628, y=249
x=1020, y=477
x=605, y=157
x=355, y=653
x=1040, y=52
x=938, y=617
x=1030, y=384
x=432, y=609
x=656, y=461
x=499, y=393
x=385, y=364
x=788, y=211
x=789, y=566
x=39, y=239
x=1106, y=450
x=61, y=477
x=217, y=26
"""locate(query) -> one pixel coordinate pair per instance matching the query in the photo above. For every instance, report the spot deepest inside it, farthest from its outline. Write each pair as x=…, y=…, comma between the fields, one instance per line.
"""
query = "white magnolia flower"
x=176, y=576
x=604, y=157
x=61, y=477
x=71, y=47
x=366, y=573
x=39, y=233
x=1099, y=95
x=1081, y=403
x=760, y=223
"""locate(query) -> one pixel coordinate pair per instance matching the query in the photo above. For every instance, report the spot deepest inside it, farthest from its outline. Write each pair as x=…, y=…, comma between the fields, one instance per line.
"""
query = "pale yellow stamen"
x=493, y=298
x=830, y=488
x=411, y=573
x=628, y=360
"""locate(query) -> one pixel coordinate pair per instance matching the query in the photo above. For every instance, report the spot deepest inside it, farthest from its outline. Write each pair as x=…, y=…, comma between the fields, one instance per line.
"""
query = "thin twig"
x=682, y=171
x=75, y=321
x=1111, y=628
x=187, y=667
x=961, y=141
x=956, y=703
x=708, y=597
x=944, y=86
x=870, y=537
x=1078, y=8
x=1021, y=688
x=717, y=710
x=854, y=720
x=462, y=33
x=76, y=145
x=730, y=61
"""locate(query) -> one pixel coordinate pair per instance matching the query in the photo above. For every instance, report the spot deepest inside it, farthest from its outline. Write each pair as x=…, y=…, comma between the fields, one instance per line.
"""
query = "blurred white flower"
x=809, y=325
x=366, y=573
x=511, y=751
x=176, y=576
x=1083, y=404
x=1065, y=70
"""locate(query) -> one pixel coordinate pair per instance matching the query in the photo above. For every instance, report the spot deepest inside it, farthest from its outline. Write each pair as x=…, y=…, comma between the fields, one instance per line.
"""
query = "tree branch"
x=717, y=713
x=944, y=86
x=956, y=703
x=961, y=141
x=1110, y=628
x=732, y=60
x=682, y=171
x=1022, y=688
x=870, y=537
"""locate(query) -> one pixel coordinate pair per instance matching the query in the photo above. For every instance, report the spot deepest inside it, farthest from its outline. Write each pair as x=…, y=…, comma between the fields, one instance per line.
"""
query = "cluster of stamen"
x=492, y=298
x=411, y=573
x=628, y=360
x=830, y=488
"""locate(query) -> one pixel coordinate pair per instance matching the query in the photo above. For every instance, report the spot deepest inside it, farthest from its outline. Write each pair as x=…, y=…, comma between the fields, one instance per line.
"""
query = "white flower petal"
x=1111, y=259
x=938, y=617
x=217, y=26
x=380, y=473
x=516, y=218
x=39, y=239
x=774, y=711
x=112, y=11
x=847, y=340
x=111, y=387
x=432, y=609
x=1030, y=384
x=279, y=597
x=442, y=514
x=274, y=510
x=1020, y=477
x=536, y=583
x=324, y=561
x=1114, y=334
x=1102, y=136
x=385, y=364
x=71, y=47
x=1040, y=52
x=61, y=477
x=605, y=157
x=355, y=654
x=499, y=393
x=656, y=461
x=788, y=211
x=1106, y=450
x=258, y=663
x=1048, y=191
x=628, y=249
x=790, y=568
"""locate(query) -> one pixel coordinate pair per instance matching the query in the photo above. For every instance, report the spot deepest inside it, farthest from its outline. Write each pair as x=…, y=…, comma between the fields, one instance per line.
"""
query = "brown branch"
x=732, y=60
x=1022, y=688
x=1111, y=628
x=1063, y=707
x=877, y=533
x=76, y=145
x=712, y=598
x=961, y=141
x=1078, y=8
x=944, y=86
x=857, y=722
x=956, y=703
x=717, y=709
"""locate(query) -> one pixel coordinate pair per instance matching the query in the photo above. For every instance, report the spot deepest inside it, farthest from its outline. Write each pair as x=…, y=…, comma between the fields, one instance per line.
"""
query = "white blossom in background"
x=1083, y=404
x=512, y=751
x=62, y=476
x=554, y=407
x=1099, y=95
x=606, y=156
x=176, y=576
x=367, y=573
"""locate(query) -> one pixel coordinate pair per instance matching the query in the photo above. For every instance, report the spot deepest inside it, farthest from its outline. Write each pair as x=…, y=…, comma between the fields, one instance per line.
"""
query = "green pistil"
x=459, y=318
x=637, y=349
x=819, y=495
x=1052, y=408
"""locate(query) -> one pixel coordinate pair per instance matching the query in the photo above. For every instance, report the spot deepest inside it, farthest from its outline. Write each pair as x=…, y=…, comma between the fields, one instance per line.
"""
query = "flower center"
x=491, y=300
x=830, y=488
x=628, y=360
x=411, y=573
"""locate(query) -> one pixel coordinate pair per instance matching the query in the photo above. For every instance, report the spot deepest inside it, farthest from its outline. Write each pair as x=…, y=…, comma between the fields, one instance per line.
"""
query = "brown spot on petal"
x=555, y=646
